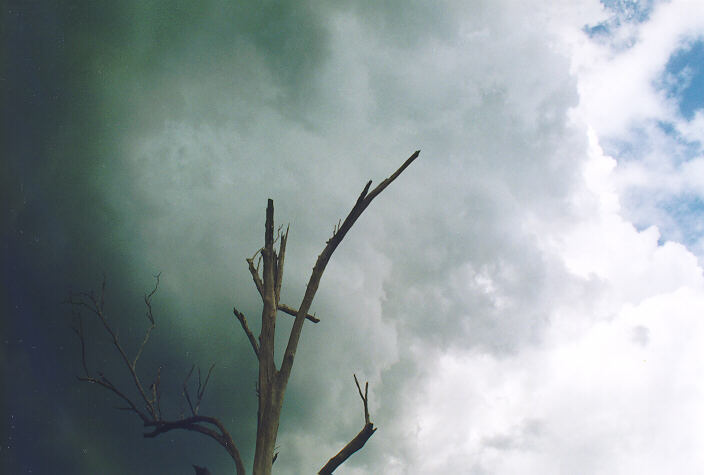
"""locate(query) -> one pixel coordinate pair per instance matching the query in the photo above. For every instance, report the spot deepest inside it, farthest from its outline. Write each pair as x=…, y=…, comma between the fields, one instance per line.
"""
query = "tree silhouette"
x=272, y=380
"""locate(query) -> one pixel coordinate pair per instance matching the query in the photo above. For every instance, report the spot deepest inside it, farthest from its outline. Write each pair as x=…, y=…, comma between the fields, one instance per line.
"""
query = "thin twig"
x=156, y=394
x=201, y=389
x=107, y=384
x=150, y=317
x=185, y=391
x=78, y=329
x=364, y=397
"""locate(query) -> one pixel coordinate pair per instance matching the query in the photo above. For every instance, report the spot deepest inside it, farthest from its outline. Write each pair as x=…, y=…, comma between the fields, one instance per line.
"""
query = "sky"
x=527, y=297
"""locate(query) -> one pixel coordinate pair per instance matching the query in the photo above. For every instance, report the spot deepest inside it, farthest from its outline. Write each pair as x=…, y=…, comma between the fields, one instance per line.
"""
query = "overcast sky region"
x=527, y=298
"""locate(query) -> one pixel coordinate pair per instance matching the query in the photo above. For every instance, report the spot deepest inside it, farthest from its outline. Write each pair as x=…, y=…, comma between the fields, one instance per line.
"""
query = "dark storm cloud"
x=79, y=78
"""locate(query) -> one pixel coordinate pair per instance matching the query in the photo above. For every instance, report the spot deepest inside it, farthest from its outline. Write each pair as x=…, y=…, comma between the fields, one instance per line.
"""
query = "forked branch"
x=199, y=392
x=359, y=440
x=260, y=285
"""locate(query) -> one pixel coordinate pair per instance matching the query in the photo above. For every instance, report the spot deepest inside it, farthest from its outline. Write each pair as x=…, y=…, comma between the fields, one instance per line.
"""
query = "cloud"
x=599, y=402
x=612, y=387
x=619, y=85
x=634, y=94
x=507, y=313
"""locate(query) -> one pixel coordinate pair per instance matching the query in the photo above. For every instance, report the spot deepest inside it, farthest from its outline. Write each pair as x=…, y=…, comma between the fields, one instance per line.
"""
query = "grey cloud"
x=522, y=438
x=641, y=335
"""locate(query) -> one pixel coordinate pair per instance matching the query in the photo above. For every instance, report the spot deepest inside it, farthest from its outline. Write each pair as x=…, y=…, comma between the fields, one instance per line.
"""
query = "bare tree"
x=272, y=380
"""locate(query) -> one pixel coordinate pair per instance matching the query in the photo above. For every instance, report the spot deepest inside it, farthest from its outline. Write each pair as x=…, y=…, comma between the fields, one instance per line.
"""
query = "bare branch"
x=293, y=312
x=250, y=336
x=362, y=203
x=364, y=397
x=381, y=186
x=359, y=440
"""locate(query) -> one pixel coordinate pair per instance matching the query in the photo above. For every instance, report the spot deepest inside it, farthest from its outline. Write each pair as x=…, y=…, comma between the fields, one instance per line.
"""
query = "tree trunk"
x=270, y=403
x=270, y=398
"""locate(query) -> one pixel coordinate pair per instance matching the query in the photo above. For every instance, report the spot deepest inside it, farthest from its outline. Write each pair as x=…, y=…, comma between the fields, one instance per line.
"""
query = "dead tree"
x=272, y=380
